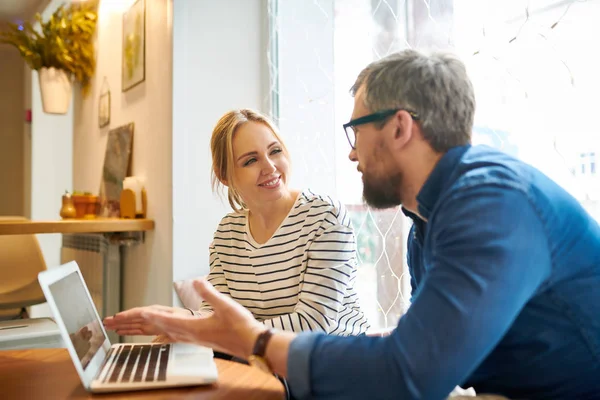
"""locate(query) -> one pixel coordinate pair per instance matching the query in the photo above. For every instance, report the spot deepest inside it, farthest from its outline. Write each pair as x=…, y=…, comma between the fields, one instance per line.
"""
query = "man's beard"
x=382, y=192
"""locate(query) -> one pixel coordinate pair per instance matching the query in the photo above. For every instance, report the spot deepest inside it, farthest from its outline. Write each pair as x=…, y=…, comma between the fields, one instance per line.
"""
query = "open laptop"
x=103, y=367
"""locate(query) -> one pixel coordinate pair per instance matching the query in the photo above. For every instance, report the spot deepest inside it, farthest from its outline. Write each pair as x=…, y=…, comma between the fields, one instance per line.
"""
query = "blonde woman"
x=287, y=255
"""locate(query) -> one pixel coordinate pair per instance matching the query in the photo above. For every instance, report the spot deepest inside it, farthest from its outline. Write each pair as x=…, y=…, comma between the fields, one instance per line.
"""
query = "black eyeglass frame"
x=375, y=117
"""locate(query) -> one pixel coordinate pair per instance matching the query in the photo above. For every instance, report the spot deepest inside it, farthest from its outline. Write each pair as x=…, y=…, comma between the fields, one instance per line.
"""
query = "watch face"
x=259, y=362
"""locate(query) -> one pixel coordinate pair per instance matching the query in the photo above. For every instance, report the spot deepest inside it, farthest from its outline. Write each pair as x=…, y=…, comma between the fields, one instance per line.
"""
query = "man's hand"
x=130, y=322
x=230, y=328
x=161, y=339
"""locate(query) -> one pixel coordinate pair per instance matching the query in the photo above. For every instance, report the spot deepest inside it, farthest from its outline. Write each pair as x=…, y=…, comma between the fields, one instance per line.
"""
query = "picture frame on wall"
x=104, y=109
x=117, y=165
x=133, y=70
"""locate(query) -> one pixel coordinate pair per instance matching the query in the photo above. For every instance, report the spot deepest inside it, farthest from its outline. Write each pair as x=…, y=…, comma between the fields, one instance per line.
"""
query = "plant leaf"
x=65, y=40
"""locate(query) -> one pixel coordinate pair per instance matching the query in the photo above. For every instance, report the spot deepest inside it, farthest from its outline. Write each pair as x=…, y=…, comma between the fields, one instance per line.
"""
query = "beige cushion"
x=21, y=261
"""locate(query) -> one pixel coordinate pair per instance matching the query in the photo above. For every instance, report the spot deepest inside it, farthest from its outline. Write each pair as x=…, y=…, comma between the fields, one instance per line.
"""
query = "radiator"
x=100, y=264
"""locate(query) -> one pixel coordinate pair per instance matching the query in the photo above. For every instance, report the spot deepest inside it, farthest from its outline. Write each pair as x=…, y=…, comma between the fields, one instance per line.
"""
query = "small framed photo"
x=133, y=70
x=104, y=110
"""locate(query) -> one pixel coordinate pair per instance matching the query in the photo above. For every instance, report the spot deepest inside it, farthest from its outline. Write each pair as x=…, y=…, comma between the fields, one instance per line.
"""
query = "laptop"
x=103, y=367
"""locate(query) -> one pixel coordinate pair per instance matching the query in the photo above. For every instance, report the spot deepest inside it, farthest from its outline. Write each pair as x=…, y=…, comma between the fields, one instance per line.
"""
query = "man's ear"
x=402, y=125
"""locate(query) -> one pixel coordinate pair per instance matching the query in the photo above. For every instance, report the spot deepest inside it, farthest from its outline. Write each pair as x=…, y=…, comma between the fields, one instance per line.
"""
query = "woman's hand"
x=130, y=322
x=230, y=328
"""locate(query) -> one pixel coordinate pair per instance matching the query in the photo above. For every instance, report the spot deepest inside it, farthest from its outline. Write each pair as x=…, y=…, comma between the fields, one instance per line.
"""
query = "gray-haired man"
x=505, y=264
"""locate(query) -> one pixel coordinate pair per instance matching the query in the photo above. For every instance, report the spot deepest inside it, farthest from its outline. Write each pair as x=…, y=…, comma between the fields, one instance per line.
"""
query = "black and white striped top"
x=302, y=278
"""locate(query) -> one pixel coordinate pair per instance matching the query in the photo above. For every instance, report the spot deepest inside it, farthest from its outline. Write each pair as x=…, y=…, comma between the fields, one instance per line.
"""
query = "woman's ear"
x=222, y=180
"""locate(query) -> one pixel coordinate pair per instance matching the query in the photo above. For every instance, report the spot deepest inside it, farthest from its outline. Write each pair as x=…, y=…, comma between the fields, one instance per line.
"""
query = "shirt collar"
x=437, y=181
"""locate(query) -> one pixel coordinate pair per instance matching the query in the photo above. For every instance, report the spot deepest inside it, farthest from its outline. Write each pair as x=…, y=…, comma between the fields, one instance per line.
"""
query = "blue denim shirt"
x=506, y=295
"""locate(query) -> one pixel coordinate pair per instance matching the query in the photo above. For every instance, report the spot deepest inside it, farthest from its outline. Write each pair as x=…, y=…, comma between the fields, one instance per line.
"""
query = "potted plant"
x=61, y=50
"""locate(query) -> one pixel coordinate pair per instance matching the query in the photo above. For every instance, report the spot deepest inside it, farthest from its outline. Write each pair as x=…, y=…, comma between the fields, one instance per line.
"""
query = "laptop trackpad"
x=191, y=360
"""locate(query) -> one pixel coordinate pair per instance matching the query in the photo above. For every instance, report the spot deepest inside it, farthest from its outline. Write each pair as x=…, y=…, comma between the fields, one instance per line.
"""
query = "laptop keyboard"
x=138, y=363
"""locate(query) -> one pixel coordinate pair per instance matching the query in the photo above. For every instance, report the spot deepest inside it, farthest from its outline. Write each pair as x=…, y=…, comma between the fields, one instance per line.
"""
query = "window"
x=535, y=85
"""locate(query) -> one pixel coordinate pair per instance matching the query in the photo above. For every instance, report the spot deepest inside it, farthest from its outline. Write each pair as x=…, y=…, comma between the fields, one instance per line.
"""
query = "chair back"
x=21, y=260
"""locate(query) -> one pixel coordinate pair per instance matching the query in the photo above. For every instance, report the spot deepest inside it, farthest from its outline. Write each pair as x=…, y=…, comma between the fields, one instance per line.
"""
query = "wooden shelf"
x=98, y=225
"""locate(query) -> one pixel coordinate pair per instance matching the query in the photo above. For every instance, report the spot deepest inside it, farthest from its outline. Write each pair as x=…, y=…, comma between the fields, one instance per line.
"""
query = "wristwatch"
x=257, y=358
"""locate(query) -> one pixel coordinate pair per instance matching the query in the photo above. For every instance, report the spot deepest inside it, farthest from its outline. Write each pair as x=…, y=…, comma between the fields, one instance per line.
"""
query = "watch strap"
x=260, y=346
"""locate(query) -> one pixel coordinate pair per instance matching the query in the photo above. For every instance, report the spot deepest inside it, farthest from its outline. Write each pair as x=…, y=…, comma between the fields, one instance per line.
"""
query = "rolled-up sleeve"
x=299, y=364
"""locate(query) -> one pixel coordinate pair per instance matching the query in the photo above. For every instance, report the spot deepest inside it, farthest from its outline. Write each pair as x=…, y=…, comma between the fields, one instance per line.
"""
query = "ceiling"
x=19, y=10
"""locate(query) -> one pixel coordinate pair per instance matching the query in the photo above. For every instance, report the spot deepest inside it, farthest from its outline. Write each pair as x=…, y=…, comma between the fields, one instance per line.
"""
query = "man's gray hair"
x=436, y=87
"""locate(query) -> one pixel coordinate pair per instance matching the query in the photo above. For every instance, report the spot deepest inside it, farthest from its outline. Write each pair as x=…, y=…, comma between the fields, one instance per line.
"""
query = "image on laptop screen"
x=77, y=312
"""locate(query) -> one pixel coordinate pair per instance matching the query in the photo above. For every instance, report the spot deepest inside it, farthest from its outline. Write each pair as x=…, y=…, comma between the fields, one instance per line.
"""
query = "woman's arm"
x=216, y=277
x=330, y=267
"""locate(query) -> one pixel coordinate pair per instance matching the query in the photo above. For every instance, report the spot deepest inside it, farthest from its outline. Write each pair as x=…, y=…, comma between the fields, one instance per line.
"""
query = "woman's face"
x=260, y=165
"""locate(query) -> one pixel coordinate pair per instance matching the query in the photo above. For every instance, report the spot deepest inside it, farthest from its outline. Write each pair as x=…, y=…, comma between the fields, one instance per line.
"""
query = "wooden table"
x=116, y=232
x=50, y=374
x=96, y=225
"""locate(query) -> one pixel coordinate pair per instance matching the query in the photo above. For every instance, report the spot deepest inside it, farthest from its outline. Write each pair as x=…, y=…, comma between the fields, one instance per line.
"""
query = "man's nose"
x=352, y=155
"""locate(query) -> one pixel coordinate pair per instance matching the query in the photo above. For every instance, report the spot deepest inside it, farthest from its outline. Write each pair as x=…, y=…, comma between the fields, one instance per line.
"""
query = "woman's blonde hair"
x=221, y=147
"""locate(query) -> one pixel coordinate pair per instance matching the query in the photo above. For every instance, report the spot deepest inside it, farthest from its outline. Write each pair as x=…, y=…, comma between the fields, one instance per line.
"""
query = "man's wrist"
x=258, y=356
x=251, y=337
x=277, y=351
x=260, y=345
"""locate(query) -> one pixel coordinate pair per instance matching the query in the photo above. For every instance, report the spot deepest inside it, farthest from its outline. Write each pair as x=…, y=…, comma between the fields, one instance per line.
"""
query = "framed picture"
x=117, y=165
x=133, y=70
x=104, y=109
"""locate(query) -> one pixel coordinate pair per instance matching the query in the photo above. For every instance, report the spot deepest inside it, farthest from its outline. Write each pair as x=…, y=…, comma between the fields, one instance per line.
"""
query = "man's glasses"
x=375, y=117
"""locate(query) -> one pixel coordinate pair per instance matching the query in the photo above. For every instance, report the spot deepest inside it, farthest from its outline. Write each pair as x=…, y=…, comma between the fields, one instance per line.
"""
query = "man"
x=505, y=265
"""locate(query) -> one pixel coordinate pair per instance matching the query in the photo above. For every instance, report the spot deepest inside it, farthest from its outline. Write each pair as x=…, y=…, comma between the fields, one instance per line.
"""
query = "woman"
x=286, y=255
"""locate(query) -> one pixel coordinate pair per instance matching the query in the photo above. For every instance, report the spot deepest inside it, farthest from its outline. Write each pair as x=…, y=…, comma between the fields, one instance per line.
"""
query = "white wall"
x=51, y=170
x=51, y=161
x=147, y=272
x=51, y=167
x=219, y=63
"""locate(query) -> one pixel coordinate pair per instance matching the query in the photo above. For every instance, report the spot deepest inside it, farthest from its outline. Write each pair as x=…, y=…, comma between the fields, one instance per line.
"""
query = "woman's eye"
x=249, y=161
x=276, y=151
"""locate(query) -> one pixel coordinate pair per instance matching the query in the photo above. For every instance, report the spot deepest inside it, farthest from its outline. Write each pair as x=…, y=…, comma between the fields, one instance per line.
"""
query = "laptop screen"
x=78, y=314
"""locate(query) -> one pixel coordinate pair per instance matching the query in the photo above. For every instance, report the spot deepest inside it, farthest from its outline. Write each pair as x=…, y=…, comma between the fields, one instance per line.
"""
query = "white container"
x=56, y=89
x=136, y=184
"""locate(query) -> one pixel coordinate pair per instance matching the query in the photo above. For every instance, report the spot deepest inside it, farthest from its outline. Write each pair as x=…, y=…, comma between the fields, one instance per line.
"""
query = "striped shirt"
x=302, y=278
